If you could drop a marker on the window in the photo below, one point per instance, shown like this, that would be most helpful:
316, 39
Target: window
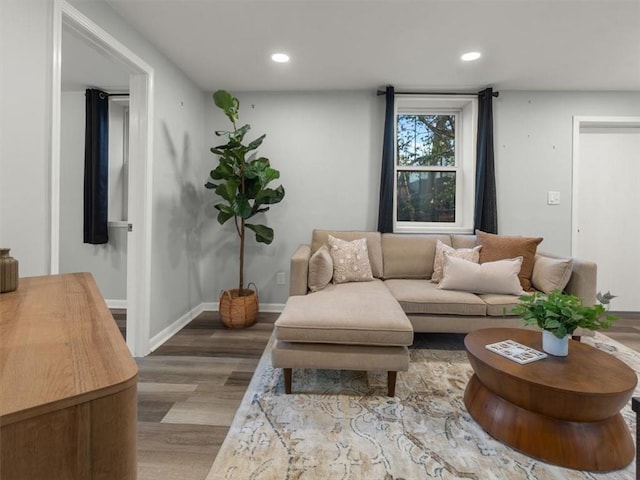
435, 164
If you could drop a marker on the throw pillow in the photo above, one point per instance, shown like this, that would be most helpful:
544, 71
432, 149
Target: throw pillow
499, 277
551, 274
471, 254
350, 260
320, 269
500, 247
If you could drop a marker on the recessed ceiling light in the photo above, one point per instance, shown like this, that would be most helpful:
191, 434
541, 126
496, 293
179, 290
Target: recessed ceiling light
470, 56
280, 57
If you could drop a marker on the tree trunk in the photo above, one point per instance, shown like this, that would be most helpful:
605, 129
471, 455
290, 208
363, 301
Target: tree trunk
241, 283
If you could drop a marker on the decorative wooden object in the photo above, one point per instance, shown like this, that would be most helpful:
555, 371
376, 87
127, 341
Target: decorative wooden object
238, 308
8, 271
67, 384
635, 406
562, 410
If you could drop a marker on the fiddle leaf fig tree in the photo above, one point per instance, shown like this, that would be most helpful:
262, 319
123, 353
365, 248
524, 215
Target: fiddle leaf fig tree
241, 179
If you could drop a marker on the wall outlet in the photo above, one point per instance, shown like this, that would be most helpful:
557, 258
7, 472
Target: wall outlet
281, 278
553, 198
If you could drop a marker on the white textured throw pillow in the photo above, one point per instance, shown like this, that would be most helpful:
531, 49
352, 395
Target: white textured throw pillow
500, 277
471, 254
350, 260
550, 274
320, 269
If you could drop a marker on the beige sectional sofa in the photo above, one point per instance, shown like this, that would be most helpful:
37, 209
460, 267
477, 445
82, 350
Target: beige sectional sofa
368, 325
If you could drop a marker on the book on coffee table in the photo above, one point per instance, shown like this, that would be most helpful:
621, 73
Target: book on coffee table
516, 351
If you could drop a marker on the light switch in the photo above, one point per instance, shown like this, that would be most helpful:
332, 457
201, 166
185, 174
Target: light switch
553, 198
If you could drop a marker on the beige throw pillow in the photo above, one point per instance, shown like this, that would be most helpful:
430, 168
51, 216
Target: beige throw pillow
471, 254
350, 260
320, 269
499, 247
551, 274
500, 277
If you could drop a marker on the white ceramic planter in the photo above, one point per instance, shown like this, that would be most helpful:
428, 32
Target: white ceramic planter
553, 345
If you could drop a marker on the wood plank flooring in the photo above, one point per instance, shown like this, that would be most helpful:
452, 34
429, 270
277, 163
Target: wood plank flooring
190, 388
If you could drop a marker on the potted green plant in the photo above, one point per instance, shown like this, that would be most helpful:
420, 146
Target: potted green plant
559, 314
241, 179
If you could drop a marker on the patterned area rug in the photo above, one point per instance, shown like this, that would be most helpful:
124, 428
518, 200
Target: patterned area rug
341, 425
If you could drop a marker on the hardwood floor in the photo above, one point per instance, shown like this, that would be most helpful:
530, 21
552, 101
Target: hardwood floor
190, 388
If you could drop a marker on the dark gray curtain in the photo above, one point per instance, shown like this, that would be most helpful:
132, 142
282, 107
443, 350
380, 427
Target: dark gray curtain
486, 212
96, 167
385, 205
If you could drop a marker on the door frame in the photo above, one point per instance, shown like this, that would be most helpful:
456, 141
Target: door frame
141, 77
578, 123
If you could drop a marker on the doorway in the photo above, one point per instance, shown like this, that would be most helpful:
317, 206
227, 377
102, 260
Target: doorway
606, 225
140, 80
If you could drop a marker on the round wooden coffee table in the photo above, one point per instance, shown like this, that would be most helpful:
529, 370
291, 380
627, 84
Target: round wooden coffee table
562, 410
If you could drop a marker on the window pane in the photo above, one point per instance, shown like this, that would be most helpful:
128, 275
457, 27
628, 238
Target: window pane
426, 140
426, 197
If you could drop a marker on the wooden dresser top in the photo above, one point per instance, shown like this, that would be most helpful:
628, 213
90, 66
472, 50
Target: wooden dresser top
59, 346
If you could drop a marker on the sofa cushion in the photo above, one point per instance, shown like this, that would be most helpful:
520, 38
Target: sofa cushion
409, 256
464, 241
500, 276
422, 296
374, 245
500, 247
360, 313
499, 305
320, 269
551, 274
471, 254
350, 260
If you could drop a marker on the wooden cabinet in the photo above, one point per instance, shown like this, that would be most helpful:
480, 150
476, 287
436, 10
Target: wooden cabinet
67, 384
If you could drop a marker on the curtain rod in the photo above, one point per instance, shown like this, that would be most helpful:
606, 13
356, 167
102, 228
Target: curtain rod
382, 92
105, 94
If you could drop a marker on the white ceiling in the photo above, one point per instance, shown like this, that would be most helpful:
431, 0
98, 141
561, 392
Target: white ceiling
412, 44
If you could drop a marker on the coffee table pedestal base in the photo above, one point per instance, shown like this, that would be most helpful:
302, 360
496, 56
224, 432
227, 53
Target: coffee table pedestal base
592, 446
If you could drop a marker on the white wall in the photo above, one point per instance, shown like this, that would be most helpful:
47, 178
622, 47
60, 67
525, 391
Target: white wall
533, 147
25, 99
327, 147
177, 156
25, 158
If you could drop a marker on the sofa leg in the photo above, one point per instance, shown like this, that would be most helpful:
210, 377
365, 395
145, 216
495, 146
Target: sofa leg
287, 379
391, 383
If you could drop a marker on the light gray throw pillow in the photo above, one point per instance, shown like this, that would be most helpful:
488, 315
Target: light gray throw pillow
320, 269
499, 277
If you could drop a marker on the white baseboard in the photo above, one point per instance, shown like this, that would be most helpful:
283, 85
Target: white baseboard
157, 340
263, 307
121, 304
176, 326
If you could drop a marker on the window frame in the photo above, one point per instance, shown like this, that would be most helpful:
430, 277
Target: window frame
465, 109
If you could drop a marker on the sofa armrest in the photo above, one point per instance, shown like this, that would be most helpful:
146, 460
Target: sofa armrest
583, 281
299, 270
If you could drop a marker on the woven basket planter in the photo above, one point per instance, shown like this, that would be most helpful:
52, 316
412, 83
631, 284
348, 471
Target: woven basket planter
238, 308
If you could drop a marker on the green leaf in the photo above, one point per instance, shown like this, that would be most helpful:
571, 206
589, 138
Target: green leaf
224, 213
228, 104
256, 143
263, 233
241, 206
223, 171
270, 196
228, 189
